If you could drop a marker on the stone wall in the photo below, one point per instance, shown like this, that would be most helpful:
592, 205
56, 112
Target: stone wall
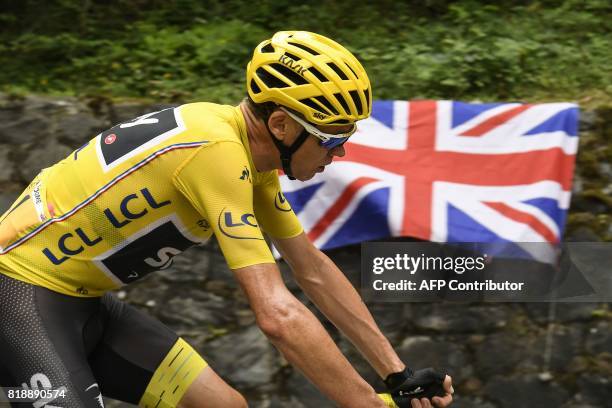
502, 355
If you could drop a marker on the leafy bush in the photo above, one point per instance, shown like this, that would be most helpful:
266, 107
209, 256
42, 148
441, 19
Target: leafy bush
188, 49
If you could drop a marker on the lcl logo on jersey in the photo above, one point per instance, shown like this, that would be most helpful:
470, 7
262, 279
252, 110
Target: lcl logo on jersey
281, 203
238, 226
129, 208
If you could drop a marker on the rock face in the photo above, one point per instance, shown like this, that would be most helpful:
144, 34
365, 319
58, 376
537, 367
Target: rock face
500, 355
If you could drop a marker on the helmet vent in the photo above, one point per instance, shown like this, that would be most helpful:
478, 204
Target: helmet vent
318, 74
305, 48
311, 103
349, 67
254, 87
287, 72
367, 96
267, 48
357, 101
326, 103
340, 122
342, 101
341, 74
270, 80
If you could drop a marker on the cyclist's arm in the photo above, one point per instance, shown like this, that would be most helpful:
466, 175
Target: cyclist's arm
301, 338
211, 180
334, 295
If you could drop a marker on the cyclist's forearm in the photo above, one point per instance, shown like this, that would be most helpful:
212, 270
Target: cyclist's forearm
304, 342
334, 295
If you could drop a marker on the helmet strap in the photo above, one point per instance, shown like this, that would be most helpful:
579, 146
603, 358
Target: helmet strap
287, 151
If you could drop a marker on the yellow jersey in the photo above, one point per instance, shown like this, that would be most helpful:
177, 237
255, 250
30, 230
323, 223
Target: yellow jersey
139, 193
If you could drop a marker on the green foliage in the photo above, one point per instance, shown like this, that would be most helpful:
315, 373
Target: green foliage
189, 49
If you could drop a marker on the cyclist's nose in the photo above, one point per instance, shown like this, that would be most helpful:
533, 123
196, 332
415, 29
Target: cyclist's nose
337, 151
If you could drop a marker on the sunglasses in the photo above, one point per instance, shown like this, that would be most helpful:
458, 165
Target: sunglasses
327, 140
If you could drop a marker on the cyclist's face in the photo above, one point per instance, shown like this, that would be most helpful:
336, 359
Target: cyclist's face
311, 158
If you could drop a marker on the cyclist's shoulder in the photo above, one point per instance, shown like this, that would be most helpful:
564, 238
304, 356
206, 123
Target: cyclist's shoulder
211, 118
220, 125
205, 108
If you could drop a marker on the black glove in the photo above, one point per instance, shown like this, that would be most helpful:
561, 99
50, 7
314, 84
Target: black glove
425, 383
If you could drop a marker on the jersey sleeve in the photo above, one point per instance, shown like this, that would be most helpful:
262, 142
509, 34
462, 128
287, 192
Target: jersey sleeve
216, 181
274, 213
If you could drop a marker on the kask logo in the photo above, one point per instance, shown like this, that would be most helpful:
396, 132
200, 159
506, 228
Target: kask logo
290, 63
238, 226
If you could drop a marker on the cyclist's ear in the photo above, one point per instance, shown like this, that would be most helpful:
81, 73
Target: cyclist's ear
280, 125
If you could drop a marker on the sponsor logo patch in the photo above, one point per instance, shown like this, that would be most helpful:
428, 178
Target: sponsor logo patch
238, 226
246, 174
146, 251
128, 139
110, 139
281, 203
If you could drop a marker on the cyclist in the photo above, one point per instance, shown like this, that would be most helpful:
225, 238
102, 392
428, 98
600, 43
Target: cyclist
126, 202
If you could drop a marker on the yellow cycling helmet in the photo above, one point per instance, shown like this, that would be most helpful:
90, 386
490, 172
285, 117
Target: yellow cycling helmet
312, 75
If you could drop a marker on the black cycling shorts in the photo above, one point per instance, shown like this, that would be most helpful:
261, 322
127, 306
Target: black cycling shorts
88, 347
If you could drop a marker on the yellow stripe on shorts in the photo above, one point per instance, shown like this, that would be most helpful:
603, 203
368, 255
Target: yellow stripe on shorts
173, 376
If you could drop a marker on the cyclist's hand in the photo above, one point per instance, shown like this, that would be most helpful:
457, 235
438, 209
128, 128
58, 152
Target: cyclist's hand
421, 388
447, 399
402, 402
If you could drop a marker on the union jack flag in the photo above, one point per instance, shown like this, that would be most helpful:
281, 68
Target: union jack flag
446, 171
